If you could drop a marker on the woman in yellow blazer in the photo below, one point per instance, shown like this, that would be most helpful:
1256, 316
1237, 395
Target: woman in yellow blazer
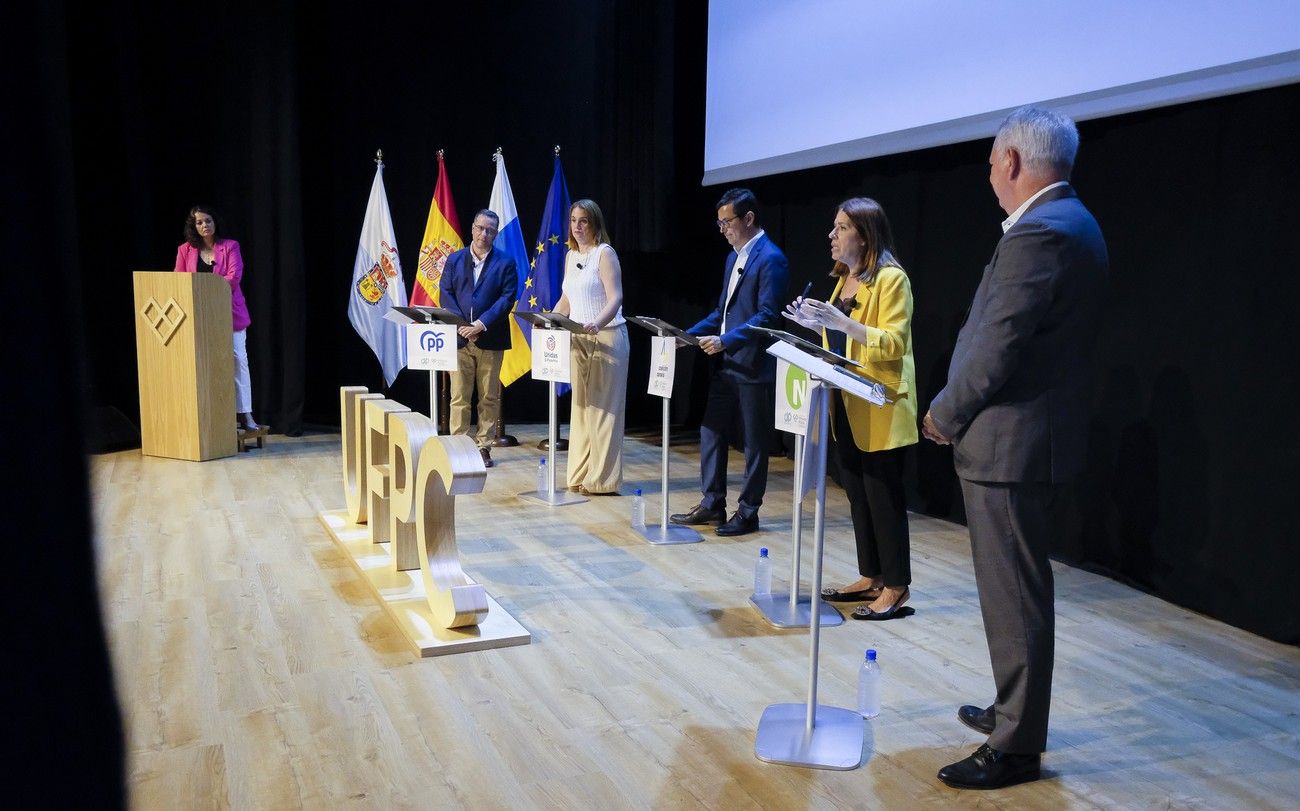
869, 319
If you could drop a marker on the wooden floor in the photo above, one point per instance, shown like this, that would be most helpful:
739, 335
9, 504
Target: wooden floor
254, 670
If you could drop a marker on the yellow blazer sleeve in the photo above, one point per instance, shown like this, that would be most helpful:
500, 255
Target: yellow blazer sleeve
890, 337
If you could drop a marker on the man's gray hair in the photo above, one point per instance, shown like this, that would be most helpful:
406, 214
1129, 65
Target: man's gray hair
1046, 140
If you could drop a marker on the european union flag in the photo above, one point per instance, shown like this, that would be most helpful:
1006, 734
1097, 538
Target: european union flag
539, 289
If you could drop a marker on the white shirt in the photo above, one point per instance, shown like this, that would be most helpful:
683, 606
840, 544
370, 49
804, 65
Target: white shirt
478, 265
1020, 212
742, 256
584, 288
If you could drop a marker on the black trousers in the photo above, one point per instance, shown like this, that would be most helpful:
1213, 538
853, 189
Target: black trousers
752, 405
873, 481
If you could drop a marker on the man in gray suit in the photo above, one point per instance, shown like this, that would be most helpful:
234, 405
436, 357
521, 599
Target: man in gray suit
1015, 410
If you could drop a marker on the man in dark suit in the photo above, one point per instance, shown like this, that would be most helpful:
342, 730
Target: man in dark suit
479, 284
1015, 411
754, 282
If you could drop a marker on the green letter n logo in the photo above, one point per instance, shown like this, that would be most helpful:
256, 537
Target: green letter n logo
796, 387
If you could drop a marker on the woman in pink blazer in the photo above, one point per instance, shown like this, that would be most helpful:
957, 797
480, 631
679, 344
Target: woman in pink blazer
203, 250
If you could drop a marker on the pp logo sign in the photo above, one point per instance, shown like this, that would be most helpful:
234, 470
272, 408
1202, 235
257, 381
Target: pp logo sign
431, 347
431, 341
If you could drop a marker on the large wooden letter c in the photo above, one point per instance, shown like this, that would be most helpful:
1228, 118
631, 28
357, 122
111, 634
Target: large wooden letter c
448, 466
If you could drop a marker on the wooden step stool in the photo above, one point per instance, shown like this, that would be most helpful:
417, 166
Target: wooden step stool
245, 436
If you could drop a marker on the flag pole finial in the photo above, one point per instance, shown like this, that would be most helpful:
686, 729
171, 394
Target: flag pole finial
557, 150
496, 156
379, 158
440, 154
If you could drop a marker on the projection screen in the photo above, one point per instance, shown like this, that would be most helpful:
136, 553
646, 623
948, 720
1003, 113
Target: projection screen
793, 85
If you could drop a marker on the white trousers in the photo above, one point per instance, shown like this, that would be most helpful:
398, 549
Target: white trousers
243, 382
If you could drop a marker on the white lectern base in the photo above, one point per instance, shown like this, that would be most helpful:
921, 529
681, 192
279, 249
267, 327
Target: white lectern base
560, 498
664, 534
401, 594
775, 608
835, 743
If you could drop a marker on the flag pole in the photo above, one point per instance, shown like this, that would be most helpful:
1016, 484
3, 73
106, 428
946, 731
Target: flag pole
561, 444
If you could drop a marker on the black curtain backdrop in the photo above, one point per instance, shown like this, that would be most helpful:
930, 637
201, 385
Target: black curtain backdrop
274, 117
66, 746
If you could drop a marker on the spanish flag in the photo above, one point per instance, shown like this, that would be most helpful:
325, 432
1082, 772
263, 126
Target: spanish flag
441, 239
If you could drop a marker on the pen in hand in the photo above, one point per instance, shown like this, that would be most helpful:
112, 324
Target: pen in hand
806, 290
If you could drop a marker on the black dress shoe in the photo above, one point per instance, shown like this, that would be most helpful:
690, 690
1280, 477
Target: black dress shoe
893, 612
738, 525
977, 719
989, 768
699, 515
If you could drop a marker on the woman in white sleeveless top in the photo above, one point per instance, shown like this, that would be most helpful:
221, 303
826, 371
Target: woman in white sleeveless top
593, 296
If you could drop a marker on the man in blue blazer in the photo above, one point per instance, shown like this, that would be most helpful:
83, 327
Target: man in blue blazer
479, 284
741, 390
1015, 409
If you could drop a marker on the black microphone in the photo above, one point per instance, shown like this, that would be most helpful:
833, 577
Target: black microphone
579, 265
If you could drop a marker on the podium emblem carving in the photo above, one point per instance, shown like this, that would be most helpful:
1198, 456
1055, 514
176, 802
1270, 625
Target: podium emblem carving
163, 319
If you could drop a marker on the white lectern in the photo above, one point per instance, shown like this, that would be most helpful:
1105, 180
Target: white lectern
811, 734
427, 315
551, 497
664, 532
790, 610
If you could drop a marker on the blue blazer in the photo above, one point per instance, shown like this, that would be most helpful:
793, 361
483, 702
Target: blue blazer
760, 295
1016, 401
489, 301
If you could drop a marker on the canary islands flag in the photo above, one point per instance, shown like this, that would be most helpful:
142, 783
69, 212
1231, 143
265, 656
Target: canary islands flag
539, 287
377, 284
441, 239
510, 240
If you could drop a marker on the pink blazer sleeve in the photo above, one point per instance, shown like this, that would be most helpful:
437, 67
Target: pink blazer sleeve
184, 259
232, 270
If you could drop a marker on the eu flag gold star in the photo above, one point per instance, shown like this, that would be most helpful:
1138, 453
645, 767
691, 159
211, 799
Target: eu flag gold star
555, 240
528, 282
532, 302
541, 246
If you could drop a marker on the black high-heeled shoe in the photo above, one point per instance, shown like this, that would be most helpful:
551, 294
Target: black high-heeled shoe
861, 595
894, 611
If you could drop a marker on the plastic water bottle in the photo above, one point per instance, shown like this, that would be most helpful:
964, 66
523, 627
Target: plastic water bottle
763, 574
638, 511
869, 687
543, 481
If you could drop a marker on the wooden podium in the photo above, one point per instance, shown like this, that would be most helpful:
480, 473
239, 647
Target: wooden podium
186, 362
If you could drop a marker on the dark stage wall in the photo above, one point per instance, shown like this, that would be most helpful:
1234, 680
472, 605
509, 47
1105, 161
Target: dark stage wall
274, 117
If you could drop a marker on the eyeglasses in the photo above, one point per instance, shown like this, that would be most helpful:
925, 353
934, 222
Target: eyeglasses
727, 221
484, 228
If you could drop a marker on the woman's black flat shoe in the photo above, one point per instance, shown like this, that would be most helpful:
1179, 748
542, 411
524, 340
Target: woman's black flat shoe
895, 611
837, 596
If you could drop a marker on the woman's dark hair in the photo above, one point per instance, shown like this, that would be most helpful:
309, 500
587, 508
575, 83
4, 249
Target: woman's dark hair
192, 234
873, 227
